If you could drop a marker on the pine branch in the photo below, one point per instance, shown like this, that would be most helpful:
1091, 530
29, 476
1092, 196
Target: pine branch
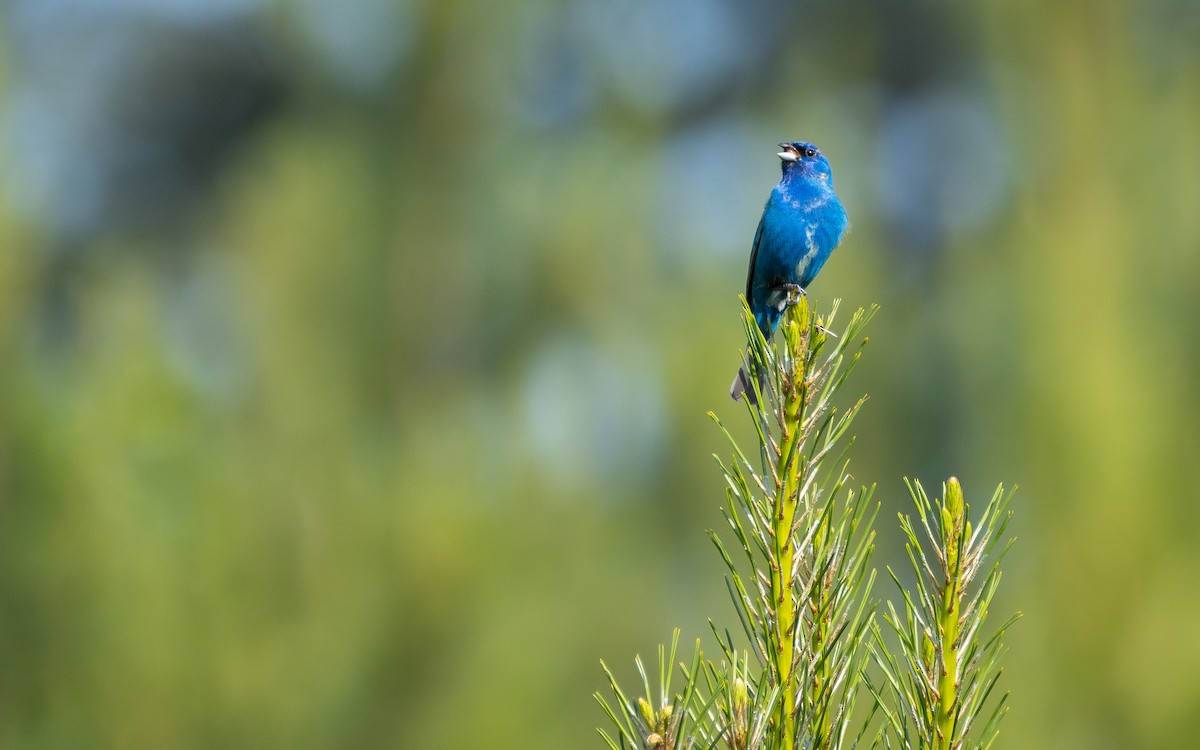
943, 677
804, 536
798, 557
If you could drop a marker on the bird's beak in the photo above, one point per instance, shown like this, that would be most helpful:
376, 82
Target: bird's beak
788, 153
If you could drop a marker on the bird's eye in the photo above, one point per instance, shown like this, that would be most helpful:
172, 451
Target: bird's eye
810, 152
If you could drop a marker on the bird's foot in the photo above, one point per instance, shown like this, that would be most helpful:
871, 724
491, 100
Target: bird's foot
792, 294
786, 295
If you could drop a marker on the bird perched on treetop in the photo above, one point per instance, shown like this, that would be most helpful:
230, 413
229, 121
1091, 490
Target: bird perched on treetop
801, 224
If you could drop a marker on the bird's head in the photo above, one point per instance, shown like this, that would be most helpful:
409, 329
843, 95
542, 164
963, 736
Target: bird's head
803, 158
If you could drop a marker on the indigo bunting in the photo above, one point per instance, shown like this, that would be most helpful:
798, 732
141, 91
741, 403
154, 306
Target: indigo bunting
801, 224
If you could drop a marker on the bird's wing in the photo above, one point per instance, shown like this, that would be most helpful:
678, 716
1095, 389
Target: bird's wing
754, 255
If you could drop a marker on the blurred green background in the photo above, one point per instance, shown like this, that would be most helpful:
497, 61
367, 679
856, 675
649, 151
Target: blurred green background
354, 357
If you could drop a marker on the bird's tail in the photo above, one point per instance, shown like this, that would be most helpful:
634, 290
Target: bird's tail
742, 388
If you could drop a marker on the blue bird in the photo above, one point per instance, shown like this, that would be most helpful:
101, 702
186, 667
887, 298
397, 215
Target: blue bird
801, 225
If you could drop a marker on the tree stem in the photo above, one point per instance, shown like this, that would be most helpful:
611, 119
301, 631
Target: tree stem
795, 332
953, 518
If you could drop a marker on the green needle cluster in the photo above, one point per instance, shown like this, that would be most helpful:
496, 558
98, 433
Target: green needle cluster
797, 551
799, 573
934, 690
